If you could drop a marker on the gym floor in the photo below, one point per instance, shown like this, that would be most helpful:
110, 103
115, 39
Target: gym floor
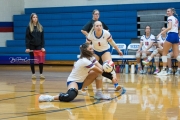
147, 97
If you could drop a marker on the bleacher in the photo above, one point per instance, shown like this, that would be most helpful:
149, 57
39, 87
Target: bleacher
62, 27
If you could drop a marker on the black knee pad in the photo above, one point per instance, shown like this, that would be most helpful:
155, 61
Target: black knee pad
100, 61
69, 96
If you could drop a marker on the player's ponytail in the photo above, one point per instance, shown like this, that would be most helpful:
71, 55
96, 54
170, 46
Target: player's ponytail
174, 12
84, 52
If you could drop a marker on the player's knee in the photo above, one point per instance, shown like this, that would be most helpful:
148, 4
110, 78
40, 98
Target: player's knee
155, 52
156, 59
144, 55
69, 96
169, 56
99, 77
137, 55
178, 58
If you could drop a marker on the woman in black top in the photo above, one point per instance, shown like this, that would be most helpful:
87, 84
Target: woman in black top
35, 41
89, 25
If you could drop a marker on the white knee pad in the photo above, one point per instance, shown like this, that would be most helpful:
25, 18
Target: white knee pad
178, 58
156, 59
169, 55
137, 55
99, 77
144, 55
164, 58
155, 52
113, 72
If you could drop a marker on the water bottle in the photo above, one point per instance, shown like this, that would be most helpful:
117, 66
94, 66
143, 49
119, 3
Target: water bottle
132, 68
126, 68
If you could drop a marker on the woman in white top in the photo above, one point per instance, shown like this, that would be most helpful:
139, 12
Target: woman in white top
85, 71
145, 48
157, 52
172, 39
170, 56
100, 39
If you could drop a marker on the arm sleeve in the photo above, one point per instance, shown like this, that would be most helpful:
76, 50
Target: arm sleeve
169, 19
87, 27
108, 35
141, 39
153, 38
28, 37
88, 64
42, 39
105, 26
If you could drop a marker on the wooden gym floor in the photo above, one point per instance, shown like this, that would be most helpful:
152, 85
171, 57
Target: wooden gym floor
147, 97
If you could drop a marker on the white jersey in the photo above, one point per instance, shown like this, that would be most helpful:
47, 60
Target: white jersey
100, 44
175, 24
81, 69
146, 42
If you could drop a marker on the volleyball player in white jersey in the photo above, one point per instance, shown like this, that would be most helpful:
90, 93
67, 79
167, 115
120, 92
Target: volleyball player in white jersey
100, 39
172, 39
170, 56
85, 71
157, 52
145, 48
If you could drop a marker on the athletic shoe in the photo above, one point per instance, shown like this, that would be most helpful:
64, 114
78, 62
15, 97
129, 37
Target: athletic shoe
42, 76
118, 87
177, 72
46, 98
156, 72
170, 72
145, 70
145, 62
140, 70
33, 76
101, 96
84, 92
163, 72
122, 91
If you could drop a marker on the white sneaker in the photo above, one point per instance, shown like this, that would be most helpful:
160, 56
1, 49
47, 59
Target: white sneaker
177, 72
84, 93
101, 96
163, 72
33, 76
46, 98
42, 76
170, 72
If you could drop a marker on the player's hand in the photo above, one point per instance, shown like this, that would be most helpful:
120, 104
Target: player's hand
121, 53
138, 50
42, 49
158, 36
27, 50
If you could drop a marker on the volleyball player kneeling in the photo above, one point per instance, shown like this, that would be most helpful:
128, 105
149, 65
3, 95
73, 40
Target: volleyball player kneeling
85, 71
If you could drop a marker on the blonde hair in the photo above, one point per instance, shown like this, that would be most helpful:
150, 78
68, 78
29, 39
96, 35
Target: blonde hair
31, 25
95, 11
174, 11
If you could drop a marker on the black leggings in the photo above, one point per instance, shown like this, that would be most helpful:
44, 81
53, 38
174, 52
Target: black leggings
32, 60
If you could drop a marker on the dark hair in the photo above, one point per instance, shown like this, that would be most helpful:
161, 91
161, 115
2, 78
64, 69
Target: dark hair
174, 11
95, 11
145, 28
84, 52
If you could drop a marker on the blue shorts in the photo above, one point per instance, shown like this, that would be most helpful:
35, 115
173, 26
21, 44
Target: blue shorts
172, 37
78, 83
101, 53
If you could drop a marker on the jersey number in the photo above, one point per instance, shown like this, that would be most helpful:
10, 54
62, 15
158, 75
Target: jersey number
147, 43
99, 43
